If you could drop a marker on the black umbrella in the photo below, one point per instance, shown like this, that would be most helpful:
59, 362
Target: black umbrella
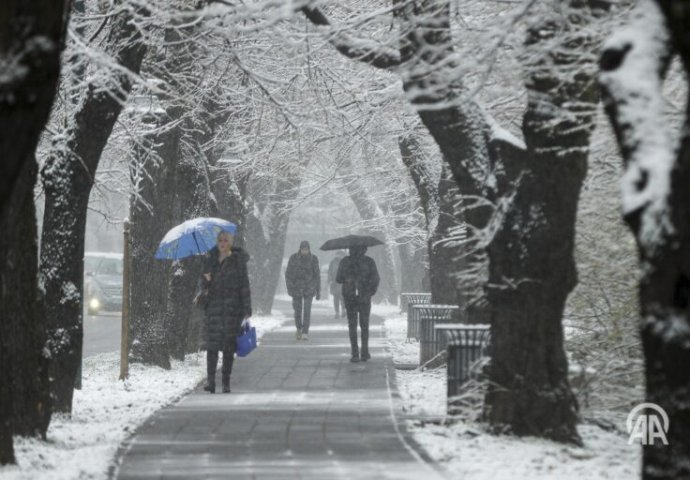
348, 241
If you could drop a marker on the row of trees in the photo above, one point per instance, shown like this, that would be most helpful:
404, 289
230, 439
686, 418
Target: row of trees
178, 103
529, 192
246, 111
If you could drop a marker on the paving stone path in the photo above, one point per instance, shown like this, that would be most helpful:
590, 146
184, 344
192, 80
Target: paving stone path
297, 410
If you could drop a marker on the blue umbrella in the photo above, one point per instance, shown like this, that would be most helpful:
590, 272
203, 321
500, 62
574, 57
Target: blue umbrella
193, 237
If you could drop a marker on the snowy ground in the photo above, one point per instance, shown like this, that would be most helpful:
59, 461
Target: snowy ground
105, 412
465, 449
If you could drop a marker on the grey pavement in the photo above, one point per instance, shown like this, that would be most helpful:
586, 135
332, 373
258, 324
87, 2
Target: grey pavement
297, 410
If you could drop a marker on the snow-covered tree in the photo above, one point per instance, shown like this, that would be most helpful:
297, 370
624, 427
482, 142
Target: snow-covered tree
31, 39
656, 208
519, 198
67, 175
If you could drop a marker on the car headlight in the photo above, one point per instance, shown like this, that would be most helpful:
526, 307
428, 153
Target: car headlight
94, 304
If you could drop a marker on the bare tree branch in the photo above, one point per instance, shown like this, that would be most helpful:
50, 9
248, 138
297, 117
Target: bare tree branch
365, 51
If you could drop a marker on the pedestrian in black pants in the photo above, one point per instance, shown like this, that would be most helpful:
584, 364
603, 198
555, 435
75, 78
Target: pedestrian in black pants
303, 282
360, 279
226, 299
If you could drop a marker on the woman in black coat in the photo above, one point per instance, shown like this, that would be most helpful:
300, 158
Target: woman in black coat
227, 306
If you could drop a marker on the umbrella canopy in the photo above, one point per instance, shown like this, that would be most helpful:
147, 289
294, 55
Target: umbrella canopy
348, 241
193, 237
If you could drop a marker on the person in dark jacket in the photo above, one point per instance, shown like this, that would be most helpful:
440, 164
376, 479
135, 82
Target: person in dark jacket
303, 282
333, 285
227, 306
360, 279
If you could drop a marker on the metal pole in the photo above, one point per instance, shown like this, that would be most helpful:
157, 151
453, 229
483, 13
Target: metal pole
124, 335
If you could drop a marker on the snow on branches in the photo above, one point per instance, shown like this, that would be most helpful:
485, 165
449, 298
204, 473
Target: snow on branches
633, 66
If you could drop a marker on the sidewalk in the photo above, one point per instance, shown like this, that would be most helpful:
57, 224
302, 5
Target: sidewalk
297, 410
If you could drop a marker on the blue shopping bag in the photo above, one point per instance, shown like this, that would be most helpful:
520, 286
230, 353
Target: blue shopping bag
246, 341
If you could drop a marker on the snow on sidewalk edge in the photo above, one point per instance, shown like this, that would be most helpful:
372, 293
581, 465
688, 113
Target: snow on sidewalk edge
466, 450
106, 412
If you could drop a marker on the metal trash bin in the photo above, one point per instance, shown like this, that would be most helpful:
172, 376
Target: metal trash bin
431, 343
466, 346
412, 299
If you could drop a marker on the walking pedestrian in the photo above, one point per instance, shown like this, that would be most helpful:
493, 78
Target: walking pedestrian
333, 286
226, 301
303, 282
360, 279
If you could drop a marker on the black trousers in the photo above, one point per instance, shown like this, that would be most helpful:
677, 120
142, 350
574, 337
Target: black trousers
358, 310
212, 363
302, 306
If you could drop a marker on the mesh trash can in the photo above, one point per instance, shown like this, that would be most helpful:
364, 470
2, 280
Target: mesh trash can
466, 346
412, 299
431, 343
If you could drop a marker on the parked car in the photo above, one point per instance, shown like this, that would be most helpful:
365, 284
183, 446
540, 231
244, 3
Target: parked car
102, 282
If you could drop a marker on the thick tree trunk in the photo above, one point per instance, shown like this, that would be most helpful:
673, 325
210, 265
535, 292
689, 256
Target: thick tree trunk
422, 178
465, 135
462, 133
170, 165
192, 199
532, 273
68, 174
531, 277
181, 289
31, 35
21, 311
151, 213
656, 207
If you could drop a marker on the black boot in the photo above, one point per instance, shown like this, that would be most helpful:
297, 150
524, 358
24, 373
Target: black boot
211, 363
364, 327
228, 357
354, 347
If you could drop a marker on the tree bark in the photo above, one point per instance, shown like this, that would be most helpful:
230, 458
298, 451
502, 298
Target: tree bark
533, 272
68, 175
477, 158
26, 401
656, 208
151, 218
161, 177
462, 132
31, 37
266, 233
192, 199
426, 186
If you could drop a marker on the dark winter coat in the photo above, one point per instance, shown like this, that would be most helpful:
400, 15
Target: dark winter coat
359, 276
302, 276
228, 301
